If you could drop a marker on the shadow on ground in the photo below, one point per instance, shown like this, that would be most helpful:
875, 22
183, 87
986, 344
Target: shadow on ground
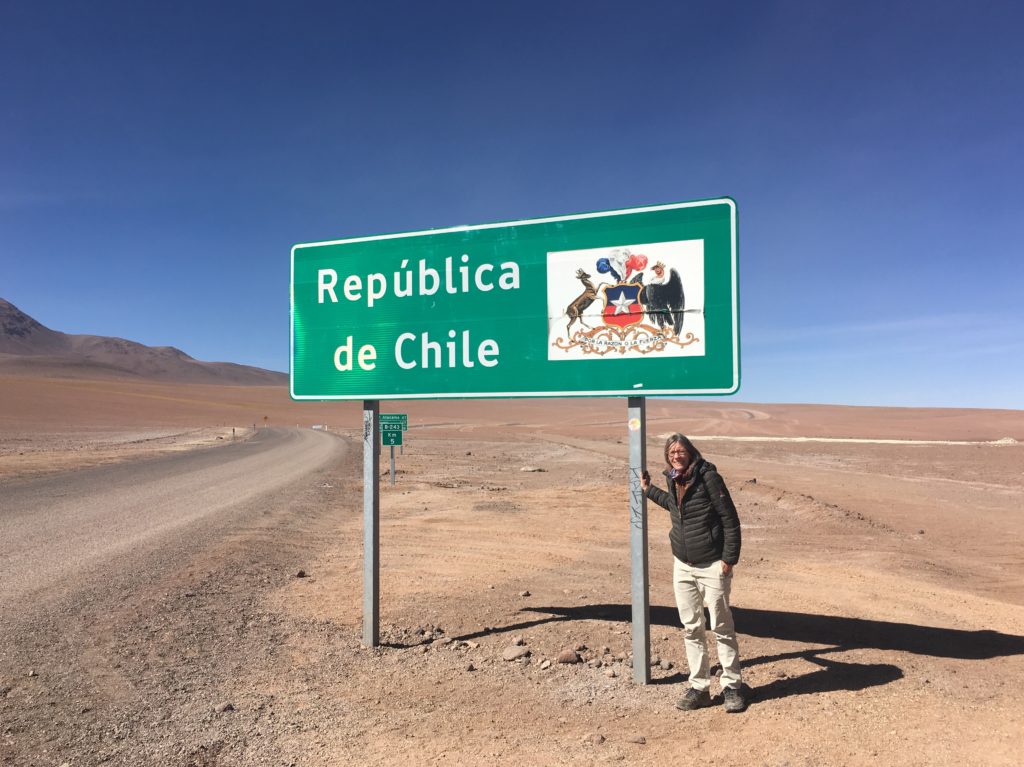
839, 634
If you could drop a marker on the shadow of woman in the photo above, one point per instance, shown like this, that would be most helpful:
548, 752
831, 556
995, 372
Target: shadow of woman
833, 675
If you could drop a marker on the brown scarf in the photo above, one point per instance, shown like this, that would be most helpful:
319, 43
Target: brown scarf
683, 480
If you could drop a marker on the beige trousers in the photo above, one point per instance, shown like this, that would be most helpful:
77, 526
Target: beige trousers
696, 587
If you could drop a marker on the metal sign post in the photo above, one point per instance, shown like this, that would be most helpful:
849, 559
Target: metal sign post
639, 586
371, 524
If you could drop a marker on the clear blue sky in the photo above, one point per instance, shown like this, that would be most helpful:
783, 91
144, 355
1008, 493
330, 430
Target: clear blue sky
158, 161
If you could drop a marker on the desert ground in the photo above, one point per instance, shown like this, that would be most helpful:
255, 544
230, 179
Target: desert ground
879, 598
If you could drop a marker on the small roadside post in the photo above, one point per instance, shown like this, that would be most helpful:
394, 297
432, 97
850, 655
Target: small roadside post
391, 436
392, 429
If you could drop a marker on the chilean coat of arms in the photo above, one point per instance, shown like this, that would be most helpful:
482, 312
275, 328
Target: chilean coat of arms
644, 299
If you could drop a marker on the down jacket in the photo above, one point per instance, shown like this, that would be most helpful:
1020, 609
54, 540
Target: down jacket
705, 526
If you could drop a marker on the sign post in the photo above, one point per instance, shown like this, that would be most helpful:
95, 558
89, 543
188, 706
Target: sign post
391, 437
393, 426
630, 303
639, 586
371, 524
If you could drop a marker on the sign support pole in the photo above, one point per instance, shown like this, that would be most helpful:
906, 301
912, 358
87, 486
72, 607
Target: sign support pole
392, 466
371, 522
639, 586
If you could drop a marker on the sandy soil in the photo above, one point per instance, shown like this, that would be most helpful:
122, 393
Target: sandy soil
25, 454
879, 600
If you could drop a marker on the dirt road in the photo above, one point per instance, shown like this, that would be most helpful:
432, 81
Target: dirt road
87, 558
59, 527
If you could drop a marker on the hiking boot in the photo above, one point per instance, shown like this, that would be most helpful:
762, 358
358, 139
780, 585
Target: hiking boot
735, 700
694, 699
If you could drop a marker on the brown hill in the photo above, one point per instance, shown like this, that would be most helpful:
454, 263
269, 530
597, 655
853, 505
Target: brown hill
28, 347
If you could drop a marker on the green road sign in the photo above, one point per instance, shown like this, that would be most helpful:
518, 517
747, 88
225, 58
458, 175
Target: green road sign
399, 418
392, 427
625, 302
391, 437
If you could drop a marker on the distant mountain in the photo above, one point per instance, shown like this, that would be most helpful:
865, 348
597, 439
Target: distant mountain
28, 347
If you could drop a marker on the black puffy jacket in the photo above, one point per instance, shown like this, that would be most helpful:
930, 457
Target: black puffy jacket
705, 527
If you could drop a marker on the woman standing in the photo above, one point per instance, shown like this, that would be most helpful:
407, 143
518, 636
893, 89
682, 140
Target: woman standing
706, 547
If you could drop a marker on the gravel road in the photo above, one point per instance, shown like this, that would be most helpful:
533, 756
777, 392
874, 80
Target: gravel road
96, 561
54, 528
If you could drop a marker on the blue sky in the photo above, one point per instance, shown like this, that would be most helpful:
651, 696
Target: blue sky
159, 160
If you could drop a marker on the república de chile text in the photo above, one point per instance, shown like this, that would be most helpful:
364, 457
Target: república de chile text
457, 279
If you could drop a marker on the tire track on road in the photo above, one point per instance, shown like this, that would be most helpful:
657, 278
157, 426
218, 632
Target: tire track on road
54, 527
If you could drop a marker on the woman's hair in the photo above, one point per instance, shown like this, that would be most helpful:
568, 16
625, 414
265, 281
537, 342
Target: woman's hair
685, 442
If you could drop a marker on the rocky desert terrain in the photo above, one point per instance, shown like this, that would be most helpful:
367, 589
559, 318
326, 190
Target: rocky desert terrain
879, 599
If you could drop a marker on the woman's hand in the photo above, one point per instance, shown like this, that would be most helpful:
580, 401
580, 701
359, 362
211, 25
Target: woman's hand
645, 480
726, 568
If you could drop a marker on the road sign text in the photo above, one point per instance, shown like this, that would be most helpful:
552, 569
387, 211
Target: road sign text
456, 280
